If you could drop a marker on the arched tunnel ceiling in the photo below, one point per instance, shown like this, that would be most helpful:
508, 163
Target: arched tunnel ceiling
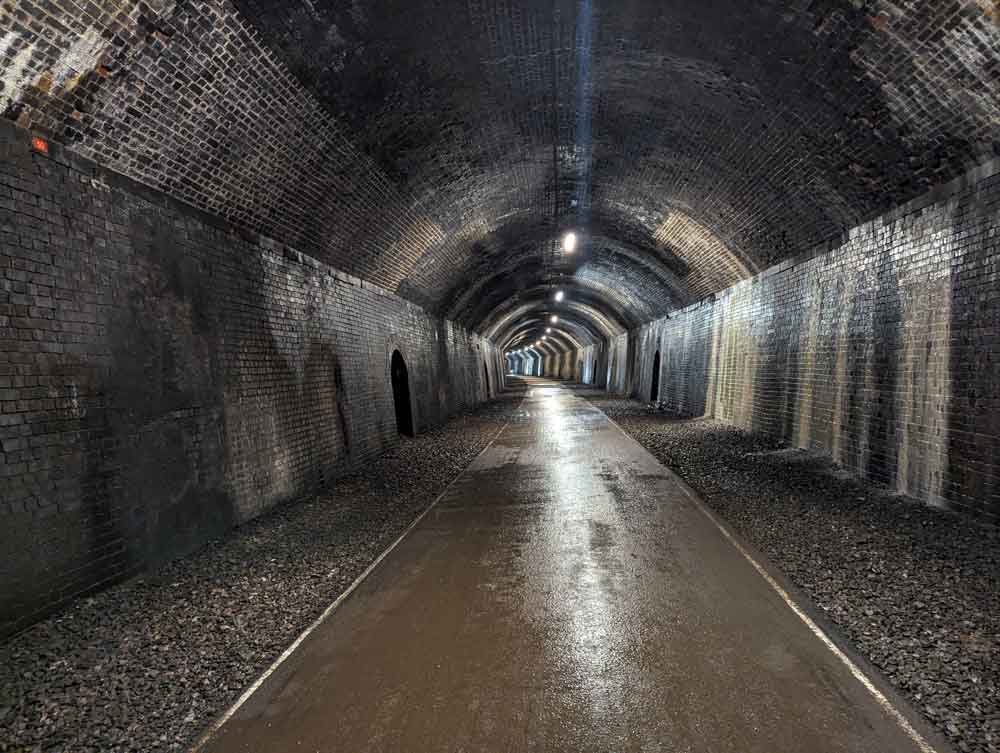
441, 149
584, 307
576, 327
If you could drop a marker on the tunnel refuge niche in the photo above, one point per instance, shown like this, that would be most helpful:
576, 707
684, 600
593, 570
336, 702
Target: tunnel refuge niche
401, 394
486, 380
654, 390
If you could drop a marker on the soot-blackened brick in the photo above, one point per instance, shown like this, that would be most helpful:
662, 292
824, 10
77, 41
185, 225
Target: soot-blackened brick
413, 145
164, 376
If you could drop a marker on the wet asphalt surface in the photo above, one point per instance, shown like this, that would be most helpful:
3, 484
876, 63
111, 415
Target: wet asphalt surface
566, 594
915, 590
146, 665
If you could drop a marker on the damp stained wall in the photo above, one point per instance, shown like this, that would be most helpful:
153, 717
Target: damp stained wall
165, 376
882, 349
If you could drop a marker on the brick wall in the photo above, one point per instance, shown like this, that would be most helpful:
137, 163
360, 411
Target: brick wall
617, 362
561, 365
603, 364
164, 376
883, 350
583, 365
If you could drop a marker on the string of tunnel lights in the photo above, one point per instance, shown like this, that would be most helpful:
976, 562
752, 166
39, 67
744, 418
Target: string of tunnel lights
569, 246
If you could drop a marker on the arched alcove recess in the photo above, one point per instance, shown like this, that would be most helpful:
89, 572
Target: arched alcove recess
654, 391
401, 394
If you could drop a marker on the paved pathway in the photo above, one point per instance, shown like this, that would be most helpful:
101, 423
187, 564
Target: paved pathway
565, 594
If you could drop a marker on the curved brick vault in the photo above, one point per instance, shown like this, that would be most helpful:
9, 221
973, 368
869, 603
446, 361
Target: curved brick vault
441, 149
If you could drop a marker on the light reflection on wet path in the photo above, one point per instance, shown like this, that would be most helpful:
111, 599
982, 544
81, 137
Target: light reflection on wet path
564, 595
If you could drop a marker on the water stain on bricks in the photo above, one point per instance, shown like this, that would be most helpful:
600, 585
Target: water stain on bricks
861, 350
342, 401
216, 376
973, 428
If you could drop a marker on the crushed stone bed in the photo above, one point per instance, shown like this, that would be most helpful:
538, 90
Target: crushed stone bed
148, 664
917, 590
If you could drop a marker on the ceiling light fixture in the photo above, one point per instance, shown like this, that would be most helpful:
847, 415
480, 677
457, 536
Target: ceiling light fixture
569, 242
559, 296
554, 319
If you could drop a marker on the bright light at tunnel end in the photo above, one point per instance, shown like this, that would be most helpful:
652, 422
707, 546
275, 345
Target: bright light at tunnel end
569, 242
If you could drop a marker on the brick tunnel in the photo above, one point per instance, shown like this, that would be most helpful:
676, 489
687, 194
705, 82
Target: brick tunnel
575, 375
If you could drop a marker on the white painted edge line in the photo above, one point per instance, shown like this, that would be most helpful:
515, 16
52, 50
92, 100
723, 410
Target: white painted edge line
855, 670
213, 728
895, 714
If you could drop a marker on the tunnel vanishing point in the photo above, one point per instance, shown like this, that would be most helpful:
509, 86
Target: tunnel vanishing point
255, 252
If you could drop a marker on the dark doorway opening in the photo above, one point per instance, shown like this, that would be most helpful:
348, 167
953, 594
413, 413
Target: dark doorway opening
486, 374
654, 392
401, 394
593, 373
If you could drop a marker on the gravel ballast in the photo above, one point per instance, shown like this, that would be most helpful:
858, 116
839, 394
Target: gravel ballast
146, 665
915, 589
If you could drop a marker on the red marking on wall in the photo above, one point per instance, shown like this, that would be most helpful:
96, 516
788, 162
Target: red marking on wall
40, 145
